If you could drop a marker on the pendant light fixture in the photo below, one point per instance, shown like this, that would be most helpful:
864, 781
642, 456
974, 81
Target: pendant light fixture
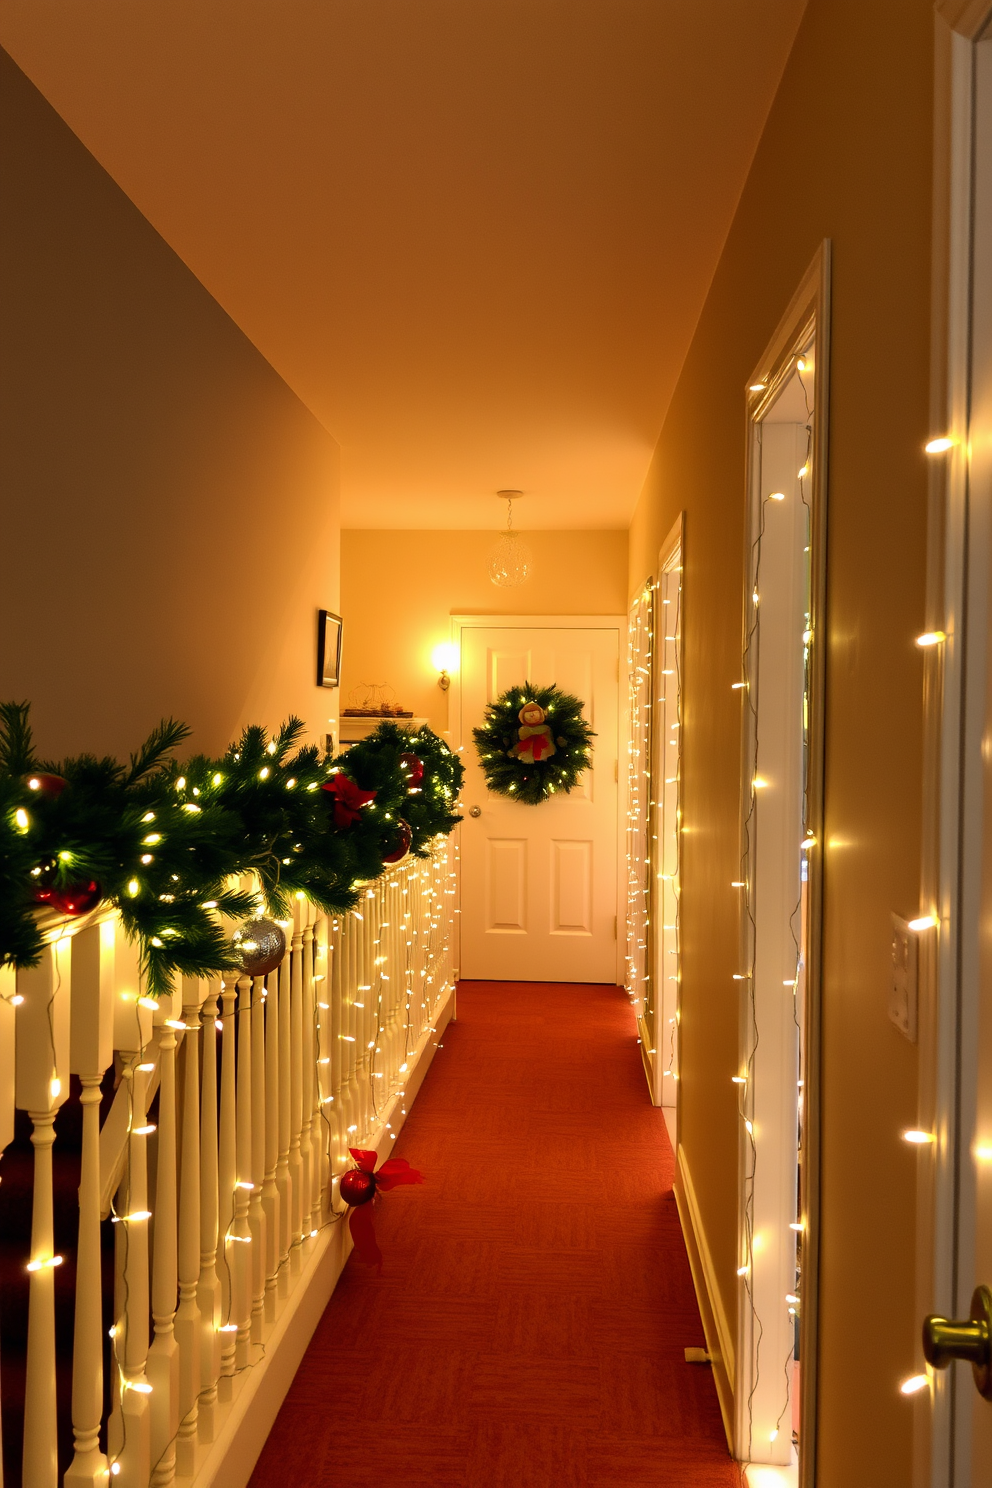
510, 562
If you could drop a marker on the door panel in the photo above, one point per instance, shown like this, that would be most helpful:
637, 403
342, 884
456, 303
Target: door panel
539, 882
506, 884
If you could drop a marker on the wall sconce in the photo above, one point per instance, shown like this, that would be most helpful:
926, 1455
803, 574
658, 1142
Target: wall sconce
444, 659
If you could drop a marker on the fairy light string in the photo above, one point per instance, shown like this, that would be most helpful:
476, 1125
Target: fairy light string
745, 1082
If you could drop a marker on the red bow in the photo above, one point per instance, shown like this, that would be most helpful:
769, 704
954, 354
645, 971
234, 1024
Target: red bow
392, 1173
349, 798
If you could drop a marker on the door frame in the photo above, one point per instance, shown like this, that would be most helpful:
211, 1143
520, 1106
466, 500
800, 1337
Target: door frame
807, 317
462, 623
947, 992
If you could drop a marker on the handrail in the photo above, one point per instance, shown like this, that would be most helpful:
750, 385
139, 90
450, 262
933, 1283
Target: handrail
223, 1195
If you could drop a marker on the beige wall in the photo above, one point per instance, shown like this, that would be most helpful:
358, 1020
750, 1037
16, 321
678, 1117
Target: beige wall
169, 521
400, 589
846, 154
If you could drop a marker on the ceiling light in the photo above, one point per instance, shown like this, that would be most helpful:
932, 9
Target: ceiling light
510, 561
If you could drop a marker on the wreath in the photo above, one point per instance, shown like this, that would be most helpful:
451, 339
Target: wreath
533, 743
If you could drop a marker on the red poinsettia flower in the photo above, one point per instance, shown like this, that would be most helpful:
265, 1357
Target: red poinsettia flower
349, 798
360, 1185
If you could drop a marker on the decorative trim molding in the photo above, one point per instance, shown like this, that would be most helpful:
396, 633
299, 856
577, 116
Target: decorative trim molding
968, 17
716, 1326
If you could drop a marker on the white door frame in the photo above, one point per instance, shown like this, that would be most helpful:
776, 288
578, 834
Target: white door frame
957, 605
461, 623
665, 823
767, 1126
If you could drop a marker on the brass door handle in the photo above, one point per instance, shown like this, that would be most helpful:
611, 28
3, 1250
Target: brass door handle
944, 1340
475, 811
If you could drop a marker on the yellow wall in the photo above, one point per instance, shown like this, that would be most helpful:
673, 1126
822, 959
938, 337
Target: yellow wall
400, 589
846, 154
170, 512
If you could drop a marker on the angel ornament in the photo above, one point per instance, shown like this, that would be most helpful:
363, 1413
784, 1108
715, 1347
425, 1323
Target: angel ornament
534, 738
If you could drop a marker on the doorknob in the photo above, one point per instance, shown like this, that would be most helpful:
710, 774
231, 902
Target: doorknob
475, 811
944, 1340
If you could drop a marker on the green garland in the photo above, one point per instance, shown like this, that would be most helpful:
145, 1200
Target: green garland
163, 840
522, 779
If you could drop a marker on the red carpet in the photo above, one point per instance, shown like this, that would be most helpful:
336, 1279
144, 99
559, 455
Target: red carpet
529, 1325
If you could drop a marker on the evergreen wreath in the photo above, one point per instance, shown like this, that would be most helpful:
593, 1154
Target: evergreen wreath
161, 841
533, 743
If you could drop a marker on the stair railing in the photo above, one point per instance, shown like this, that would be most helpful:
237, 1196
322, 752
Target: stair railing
222, 1196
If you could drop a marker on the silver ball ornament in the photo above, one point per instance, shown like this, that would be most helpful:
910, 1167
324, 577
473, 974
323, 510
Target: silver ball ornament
260, 945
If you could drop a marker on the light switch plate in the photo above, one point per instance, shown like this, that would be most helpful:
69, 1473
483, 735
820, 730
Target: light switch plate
903, 978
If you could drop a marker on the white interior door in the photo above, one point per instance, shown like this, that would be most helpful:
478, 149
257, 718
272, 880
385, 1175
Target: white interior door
539, 883
972, 1415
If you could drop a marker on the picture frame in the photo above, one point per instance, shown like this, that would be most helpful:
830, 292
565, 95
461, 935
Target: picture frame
329, 631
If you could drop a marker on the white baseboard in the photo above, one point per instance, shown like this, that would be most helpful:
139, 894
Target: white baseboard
260, 1391
716, 1328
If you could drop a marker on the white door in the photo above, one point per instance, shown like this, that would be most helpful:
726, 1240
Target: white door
961, 919
539, 883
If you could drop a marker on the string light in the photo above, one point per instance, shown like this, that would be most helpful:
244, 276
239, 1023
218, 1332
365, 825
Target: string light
918, 1138
924, 922
931, 638
940, 445
914, 1384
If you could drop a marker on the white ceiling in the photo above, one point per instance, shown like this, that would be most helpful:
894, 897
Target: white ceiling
473, 235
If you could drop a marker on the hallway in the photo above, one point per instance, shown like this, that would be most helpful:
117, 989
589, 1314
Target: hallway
530, 1323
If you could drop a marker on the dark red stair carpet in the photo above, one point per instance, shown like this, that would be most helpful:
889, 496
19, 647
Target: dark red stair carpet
529, 1325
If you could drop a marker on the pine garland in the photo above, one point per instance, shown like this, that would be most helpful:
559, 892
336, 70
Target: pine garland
163, 840
527, 781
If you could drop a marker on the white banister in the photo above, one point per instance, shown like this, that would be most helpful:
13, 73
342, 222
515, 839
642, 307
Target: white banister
233, 1256
208, 1287
188, 1324
271, 1198
91, 1052
240, 1238
162, 1368
42, 1079
256, 1212
227, 1177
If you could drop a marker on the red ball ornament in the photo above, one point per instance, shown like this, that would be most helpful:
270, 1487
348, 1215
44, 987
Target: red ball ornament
49, 786
69, 899
414, 767
404, 837
357, 1188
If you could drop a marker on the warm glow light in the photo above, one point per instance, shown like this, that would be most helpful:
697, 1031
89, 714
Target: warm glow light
445, 657
776, 496
918, 1138
914, 1384
758, 783
925, 922
940, 445
931, 638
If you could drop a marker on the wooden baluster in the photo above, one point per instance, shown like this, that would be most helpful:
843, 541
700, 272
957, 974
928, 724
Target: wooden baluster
130, 1444
323, 1094
257, 1223
208, 1288
335, 1048
42, 1081
188, 1323
270, 1188
360, 983
296, 1087
226, 1179
307, 1070
283, 1179
240, 1234
162, 1368
91, 1052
